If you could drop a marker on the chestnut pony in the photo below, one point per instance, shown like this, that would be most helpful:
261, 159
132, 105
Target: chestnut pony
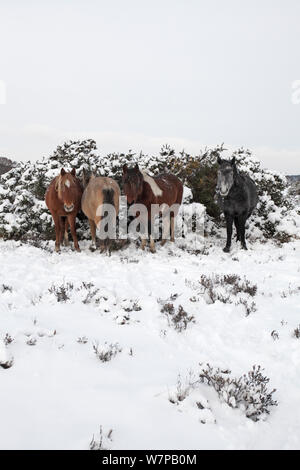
63, 199
165, 190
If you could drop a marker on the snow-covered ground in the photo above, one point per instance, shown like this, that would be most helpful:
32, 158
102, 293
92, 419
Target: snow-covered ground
58, 393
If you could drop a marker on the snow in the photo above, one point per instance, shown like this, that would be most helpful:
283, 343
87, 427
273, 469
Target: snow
187, 196
58, 393
3, 353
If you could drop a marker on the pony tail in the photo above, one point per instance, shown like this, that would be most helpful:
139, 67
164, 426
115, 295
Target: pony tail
108, 198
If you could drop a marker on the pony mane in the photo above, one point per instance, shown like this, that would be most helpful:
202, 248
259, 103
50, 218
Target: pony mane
153, 185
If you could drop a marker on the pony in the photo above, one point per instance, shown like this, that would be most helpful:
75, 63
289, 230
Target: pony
100, 191
63, 199
237, 197
164, 190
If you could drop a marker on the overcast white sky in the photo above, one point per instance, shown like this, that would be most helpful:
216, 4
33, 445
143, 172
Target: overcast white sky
135, 74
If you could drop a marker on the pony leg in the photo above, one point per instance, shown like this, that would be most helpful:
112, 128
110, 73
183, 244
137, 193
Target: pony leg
242, 232
151, 239
166, 229
152, 245
93, 232
64, 231
145, 232
56, 219
229, 222
66, 236
172, 228
103, 241
71, 220
237, 226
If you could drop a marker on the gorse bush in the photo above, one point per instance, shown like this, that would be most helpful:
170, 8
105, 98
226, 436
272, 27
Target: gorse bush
24, 215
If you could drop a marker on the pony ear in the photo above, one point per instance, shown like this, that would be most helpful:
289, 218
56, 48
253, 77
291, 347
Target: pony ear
62, 172
136, 167
125, 168
219, 160
233, 161
73, 172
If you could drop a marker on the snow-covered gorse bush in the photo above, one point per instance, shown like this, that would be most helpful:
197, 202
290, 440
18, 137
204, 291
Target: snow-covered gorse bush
249, 392
24, 215
107, 352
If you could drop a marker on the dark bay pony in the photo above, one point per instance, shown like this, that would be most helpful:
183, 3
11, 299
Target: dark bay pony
165, 190
63, 199
237, 198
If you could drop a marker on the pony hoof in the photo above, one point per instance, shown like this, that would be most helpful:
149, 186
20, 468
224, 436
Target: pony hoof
226, 249
102, 248
163, 242
78, 250
244, 247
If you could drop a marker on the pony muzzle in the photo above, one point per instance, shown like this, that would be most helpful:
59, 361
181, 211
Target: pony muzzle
69, 208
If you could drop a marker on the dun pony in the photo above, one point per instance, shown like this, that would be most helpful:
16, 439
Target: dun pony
165, 190
100, 196
63, 199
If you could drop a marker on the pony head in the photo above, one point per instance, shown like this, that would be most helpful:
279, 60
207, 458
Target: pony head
66, 189
226, 175
132, 182
86, 177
